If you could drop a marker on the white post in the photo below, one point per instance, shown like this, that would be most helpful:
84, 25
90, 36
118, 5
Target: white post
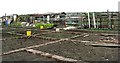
89, 19
58, 16
94, 20
48, 19
43, 18
14, 17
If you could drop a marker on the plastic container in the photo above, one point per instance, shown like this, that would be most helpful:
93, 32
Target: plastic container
28, 33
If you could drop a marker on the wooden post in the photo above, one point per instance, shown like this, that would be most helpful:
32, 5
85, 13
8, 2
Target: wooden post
97, 21
81, 22
109, 20
112, 21
5, 17
56, 57
65, 23
100, 21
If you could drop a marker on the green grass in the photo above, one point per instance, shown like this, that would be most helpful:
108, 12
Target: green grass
16, 24
100, 30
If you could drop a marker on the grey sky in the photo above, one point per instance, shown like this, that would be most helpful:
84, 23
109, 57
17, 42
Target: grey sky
44, 6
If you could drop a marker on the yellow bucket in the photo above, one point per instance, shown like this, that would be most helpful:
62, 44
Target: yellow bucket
41, 27
28, 33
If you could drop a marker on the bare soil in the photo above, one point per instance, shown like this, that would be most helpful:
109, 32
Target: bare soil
80, 51
69, 49
24, 56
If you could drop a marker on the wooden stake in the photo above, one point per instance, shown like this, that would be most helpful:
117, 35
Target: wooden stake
56, 57
104, 44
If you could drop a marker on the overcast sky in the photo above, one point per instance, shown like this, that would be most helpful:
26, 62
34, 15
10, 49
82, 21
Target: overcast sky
45, 6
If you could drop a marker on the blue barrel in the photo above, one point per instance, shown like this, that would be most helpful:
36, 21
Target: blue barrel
6, 22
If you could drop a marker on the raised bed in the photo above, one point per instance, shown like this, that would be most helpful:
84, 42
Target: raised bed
94, 31
13, 44
24, 56
59, 35
80, 51
98, 38
89, 37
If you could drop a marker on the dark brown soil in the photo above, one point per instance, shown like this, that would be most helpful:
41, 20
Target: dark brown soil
75, 50
13, 44
79, 51
97, 37
24, 56
90, 37
59, 35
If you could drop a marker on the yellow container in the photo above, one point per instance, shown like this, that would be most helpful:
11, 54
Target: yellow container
28, 33
41, 27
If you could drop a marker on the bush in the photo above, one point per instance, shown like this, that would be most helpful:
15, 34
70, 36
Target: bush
15, 24
49, 25
38, 25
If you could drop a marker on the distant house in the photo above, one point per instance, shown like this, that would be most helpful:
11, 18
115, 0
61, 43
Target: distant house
73, 18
